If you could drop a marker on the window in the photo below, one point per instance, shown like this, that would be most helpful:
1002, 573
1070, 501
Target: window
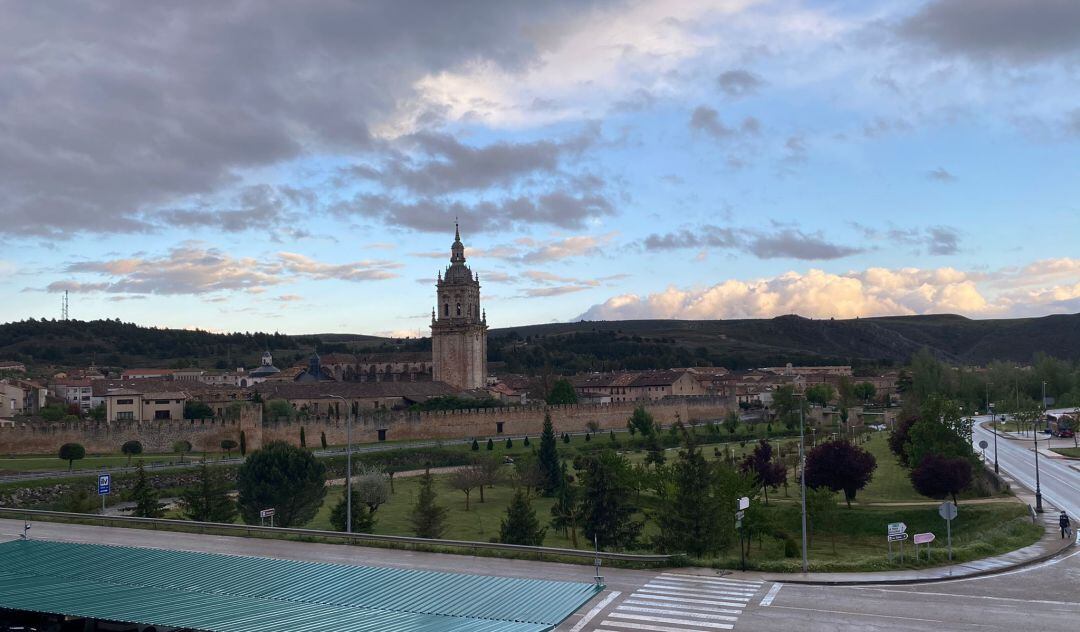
125, 416
498, 427
459, 309
125, 402
162, 414
446, 309
382, 434
161, 401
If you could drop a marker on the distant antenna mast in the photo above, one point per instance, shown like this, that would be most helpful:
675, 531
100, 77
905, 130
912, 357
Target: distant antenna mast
64, 310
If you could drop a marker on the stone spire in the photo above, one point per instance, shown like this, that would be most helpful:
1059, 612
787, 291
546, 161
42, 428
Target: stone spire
457, 249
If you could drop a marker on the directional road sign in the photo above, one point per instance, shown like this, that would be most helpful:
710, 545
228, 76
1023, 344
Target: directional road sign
104, 484
947, 510
897, 537
266, 513
924, 538
744, 503
897, 527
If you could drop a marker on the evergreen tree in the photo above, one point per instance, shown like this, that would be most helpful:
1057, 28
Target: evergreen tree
475, 445
363, 519
690, 514
526, 441
588, 436
145, 496
285, 477
428, 519
607, 502
562, 392
243, 443
509, 442
208, 500
520, 525
549, 458
322, 439
490, 444
131, 448
72, 452
566, 512
303, 438
566, 438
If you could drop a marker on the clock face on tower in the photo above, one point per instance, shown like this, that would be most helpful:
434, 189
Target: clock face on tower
459, 324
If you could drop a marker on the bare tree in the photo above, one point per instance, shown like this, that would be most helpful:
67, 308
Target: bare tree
490, 471
466, 479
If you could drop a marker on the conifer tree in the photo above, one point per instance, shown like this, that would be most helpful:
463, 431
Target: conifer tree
428, 519
689, 518
145, 496
607, 504
509, 442
208, 500
520, 525
475, 445
490, 444
549, 458
303, 438
566, 512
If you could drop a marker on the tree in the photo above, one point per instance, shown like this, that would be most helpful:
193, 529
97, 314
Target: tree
243, 443
767, 472
428, 519
490, 444
840, 466
197, 410
131, 448
562, 392
900, 437
322, 439
520, 525
528, 473
566, 512
509, 443
731, 421
99, 412
372, 486
607, 504
363, 519
72, 452
786, 403
938, 476
941, 429
284, 477
278, 409
53, 412
475, 446
821, 511
549, 458
465, 479
303, 438
490, 471
642, 422
865, 391
588, 436
525, 442
145, 496
820, 394
208, 500
566, 438
181, 447
690, 513
228, 445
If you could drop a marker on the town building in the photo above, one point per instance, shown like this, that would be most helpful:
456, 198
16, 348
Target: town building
459, 324
632, 386
142, 405
12, 366
75, 392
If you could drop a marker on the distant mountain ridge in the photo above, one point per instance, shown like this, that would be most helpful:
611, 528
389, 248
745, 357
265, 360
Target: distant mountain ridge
583, 345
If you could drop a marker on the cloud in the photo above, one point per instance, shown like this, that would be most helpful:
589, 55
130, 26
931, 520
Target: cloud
289, 298
789, 243
707, 120
257, 207
941, 174
192, 269
1024, 31
739, 83
549, 284
936, 240
102, 129
566, 248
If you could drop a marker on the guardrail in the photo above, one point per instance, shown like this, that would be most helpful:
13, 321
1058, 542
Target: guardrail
346, 538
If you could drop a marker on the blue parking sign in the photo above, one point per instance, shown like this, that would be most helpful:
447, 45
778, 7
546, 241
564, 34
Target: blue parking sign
104, 482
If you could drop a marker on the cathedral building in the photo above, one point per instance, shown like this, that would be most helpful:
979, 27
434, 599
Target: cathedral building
459, 324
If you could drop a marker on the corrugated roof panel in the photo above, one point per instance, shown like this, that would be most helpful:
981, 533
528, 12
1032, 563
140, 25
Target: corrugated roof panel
221, 592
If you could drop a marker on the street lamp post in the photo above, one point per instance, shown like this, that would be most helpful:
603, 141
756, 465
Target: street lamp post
993, 426
348, 463
802, 481
1035, 435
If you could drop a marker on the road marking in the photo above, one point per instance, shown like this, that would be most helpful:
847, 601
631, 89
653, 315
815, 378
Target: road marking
696, 615
703, 578
648, 594
648, 619
768, 598
653, 628
681, 606
984, 597
695, 591
595, 611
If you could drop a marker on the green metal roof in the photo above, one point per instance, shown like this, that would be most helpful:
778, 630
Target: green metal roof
224, 593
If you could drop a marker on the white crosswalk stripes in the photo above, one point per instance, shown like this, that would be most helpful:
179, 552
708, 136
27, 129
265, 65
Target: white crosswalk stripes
681, 602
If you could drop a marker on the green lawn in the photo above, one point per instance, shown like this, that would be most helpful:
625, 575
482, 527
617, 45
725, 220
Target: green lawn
1069, 452
91, 462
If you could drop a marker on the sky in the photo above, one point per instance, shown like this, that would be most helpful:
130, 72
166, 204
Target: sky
298, 167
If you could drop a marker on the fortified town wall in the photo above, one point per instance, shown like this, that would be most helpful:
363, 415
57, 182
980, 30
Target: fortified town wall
158, 436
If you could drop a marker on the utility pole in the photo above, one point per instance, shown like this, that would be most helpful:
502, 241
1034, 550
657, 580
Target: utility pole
802, 481
348, 463
993, 426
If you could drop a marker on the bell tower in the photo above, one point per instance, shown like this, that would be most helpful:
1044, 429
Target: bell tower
459, 324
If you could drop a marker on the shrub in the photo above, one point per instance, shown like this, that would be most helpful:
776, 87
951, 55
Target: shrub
72, 452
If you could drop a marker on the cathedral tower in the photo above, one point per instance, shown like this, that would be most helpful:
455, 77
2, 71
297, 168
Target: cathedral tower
459, 325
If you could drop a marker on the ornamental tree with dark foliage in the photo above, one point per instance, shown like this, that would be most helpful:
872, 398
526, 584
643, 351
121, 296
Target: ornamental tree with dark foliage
840, 466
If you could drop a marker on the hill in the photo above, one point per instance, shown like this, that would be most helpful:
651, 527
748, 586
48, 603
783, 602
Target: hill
577, 346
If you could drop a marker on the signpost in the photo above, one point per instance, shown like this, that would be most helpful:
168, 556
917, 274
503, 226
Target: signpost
923, 538
266, 513
743, 505
947, 510
104, 486
897, 533
983, 444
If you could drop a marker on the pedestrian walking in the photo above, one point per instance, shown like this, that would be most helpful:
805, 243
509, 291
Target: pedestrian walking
1066, 526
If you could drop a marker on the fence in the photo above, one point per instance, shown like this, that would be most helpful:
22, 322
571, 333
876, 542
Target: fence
167, 524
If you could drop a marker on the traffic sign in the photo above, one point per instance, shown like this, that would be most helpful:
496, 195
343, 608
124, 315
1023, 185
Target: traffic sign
266, 513
897, 527
104, 484
983, 444
739, 515
947, 510
897, 537
924, 538
744, 503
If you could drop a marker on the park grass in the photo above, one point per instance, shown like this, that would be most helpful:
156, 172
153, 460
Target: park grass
1072, 453
13, 465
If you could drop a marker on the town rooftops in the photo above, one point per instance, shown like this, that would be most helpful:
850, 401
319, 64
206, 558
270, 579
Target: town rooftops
147, 372
411, 391
626, 379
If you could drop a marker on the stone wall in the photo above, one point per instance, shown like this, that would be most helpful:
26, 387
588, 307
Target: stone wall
44, 438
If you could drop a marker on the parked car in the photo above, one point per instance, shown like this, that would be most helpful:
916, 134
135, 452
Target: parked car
1066, 433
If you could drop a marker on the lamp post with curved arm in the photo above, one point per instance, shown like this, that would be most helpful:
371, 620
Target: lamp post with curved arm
348, 463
